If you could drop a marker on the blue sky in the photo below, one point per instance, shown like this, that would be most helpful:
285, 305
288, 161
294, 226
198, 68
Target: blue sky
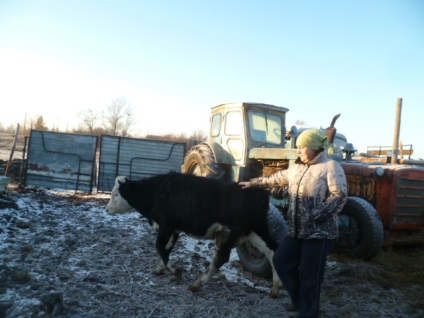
174, 60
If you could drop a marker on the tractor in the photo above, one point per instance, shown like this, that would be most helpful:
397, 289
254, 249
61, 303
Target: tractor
248, 140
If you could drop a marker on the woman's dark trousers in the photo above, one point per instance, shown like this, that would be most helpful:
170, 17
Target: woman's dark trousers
300, 264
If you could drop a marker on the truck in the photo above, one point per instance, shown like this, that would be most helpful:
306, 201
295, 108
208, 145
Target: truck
248, 140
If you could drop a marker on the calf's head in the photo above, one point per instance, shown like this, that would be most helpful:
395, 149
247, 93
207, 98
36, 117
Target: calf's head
117, 204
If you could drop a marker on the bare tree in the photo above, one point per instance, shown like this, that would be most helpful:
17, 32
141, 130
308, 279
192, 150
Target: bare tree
129, 121
198, 135
90, 119
39, 123
118, 117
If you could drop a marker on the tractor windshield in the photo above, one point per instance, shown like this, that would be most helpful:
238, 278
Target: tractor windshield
265, 127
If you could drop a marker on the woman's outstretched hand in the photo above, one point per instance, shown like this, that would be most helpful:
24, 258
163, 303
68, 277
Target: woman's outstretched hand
244, 184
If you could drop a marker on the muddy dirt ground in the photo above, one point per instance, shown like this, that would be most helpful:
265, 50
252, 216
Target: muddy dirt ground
62, 254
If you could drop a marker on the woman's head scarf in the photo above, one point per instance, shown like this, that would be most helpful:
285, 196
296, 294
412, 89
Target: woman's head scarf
313, 139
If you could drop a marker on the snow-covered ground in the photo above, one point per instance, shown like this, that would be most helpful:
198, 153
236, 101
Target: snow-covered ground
56, 242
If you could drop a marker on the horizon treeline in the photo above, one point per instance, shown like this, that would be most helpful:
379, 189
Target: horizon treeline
117, 120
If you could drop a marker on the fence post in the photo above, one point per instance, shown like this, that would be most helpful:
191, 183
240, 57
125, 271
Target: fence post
12, 152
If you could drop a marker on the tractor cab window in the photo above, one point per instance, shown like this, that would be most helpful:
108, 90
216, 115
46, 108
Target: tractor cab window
265, 127
233, 123
216, 125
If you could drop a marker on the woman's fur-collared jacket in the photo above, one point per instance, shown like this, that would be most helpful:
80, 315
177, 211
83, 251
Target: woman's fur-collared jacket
317, 194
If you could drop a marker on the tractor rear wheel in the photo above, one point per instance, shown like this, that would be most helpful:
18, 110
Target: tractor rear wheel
200, 161
361, 230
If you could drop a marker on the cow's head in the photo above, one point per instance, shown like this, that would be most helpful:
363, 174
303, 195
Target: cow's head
117, 204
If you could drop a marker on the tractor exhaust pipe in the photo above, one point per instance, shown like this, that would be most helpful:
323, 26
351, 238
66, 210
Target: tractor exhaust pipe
330, 132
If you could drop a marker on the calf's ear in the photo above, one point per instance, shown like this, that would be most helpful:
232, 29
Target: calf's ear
121, 180
125, 187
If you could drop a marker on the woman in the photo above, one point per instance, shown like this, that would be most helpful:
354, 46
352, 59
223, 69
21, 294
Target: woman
317, 190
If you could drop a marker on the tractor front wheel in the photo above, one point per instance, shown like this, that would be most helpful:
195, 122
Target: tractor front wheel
361, 230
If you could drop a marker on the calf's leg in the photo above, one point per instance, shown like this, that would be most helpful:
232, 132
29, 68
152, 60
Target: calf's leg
224, 243
264, 247
164, 245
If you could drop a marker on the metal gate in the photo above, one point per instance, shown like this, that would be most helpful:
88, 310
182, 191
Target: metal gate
136, 158
61, 160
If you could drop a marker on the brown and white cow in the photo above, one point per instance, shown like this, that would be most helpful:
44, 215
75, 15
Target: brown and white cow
202, 208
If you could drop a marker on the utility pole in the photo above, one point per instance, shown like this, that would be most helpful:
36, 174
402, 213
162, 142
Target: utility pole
395, 148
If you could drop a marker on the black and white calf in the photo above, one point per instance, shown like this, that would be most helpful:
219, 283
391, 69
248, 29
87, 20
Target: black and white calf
200, 207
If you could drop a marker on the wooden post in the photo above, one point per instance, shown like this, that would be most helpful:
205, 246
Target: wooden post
395, 148
12, 152
401, 150
21, 173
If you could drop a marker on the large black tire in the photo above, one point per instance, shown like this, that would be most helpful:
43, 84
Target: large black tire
361, 230
200, 161
250, 258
